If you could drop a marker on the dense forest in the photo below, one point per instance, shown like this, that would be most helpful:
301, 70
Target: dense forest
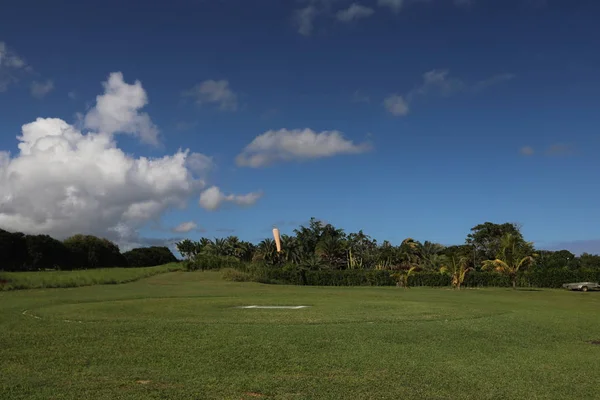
498, 248
22, 252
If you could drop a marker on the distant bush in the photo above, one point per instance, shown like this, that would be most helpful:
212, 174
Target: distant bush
234, 275
203, 262
149, 256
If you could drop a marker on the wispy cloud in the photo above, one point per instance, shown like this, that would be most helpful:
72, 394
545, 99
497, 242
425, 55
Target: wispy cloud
526, 151
354, 12
555, 150
185, 227
296, 144
185, 126
41, 89
11, 67
214, 92
213, 198
560, 150
491, 81
439, 82
304, 19
359, 97
396, 105
394, 5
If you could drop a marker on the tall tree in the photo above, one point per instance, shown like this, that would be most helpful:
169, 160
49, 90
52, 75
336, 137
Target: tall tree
486, 239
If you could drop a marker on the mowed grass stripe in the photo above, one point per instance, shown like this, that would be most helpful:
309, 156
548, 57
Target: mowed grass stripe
181, 337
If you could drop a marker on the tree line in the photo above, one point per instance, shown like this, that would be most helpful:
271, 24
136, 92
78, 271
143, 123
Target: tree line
323, 247
22, 252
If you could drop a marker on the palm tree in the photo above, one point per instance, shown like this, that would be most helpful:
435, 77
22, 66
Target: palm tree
431, 257
267, 252
290, 249
220, 247
458, 269
186, 248
409, 252
515, 254
332, 250
246, 251
311, 263
401, 276
204, 245
435, 262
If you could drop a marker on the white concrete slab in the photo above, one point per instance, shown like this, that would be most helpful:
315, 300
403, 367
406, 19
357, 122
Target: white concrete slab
285, 307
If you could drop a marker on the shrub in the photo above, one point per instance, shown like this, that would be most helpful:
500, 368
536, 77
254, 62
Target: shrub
205, 262
149, 256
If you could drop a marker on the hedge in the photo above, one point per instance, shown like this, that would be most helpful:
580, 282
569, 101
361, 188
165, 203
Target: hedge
291, 276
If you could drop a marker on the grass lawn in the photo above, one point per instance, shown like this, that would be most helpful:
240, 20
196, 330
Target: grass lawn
179, 335
86, 277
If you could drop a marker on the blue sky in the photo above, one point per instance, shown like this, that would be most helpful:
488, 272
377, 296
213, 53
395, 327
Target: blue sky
447, 113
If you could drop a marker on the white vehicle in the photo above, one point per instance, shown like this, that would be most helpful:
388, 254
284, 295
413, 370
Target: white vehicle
583, 286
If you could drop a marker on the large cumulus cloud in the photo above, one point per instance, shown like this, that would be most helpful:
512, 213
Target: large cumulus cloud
65, 181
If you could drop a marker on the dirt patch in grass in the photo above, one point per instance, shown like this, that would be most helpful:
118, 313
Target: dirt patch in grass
596, 342
254, 394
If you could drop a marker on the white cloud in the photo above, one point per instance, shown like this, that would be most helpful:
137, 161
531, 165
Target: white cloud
63, 181
117, 110
297, 144
41, 89
396, 105
212, 199
11, 64
394, 5
185, 227
304, 19
353, 12
217, 92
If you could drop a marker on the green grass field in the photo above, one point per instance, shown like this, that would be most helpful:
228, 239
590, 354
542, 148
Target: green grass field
88, 277
179, 335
